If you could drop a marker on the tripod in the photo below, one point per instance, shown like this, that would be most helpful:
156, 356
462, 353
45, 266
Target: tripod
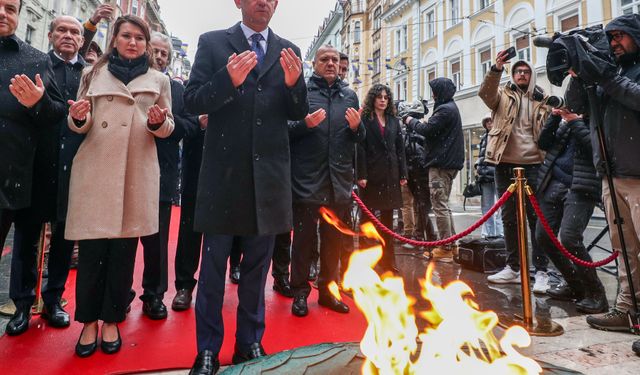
596, 117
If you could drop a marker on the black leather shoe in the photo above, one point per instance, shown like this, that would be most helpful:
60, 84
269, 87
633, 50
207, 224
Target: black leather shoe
299, 307
56, 316
333, 303
563, 292
255, 351
234, 274
111, 347
19, 322
313, 272
88, 349
206, 363
281, 286
154, 308
182, 300
594, 304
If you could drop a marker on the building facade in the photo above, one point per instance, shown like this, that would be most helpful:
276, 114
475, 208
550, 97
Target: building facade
406, 43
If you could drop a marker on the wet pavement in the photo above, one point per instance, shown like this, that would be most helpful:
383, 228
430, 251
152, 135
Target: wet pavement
580, 348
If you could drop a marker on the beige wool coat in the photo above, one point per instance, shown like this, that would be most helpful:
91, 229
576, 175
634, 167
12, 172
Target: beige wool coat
115, 176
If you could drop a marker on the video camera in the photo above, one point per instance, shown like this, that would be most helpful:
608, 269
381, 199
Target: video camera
416, 109
585, 51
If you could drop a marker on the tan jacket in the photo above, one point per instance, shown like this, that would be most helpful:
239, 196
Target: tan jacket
115, 177
504, 103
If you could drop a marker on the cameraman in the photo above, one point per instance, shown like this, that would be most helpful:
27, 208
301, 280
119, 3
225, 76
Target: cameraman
519, 109
416, 192
619, 92
444, 145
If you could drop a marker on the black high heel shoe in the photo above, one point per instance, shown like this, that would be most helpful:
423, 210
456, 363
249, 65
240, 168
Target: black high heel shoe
88, 349
113, 346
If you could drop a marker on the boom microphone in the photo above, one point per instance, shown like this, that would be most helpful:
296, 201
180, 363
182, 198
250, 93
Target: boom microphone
543, 41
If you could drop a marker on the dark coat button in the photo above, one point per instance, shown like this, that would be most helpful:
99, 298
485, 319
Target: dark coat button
110, 98
259, 122
104, 124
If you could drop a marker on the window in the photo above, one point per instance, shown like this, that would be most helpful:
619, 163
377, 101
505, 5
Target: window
431, 75
401, 89
348, 33
401, 39
523, 47
376, 62
484, 57
454, 11
455, 73
377, 19
356, 32
429, 24
630, 6
28, 38
483, 4
569, 23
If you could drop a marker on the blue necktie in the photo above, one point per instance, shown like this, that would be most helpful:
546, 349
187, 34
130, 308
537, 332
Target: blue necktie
257, 47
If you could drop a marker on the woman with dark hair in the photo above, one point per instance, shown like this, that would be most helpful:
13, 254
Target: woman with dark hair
114, 191
381, 163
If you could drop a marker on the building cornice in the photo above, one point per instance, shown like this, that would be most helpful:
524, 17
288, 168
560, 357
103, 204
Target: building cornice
396, 10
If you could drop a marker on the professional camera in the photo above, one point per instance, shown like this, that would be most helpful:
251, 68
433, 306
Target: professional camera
415, 109
585, 51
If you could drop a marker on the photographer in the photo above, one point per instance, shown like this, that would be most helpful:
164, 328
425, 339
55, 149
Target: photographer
519, 109
444, 145
416, 193
568, 190
619, 95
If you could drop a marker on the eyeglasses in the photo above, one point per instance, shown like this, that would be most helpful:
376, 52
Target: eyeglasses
617, 36
382, 97
522, 72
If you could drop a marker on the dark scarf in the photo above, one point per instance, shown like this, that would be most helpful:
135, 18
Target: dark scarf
127, 70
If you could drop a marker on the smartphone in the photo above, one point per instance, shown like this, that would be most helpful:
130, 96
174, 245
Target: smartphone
511, 53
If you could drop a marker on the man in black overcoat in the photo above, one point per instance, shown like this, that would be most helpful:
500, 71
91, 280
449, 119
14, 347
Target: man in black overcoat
155, 275
322, 154
29, 102
249, 82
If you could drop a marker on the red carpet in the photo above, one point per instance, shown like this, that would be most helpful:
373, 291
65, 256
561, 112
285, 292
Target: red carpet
169, 344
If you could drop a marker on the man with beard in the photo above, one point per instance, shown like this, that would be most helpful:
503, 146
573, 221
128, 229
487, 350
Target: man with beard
520, 110
620, 102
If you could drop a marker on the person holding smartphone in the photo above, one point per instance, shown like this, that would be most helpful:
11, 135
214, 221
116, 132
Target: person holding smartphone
520, 110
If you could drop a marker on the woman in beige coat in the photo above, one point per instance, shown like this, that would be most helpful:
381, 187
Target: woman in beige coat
114, 190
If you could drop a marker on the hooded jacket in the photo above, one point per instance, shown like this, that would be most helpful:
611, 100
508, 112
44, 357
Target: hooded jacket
554, 138
444, 140
505, 102
322, 157
621, 107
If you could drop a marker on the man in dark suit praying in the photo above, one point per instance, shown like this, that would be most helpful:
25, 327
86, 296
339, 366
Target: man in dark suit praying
249, 82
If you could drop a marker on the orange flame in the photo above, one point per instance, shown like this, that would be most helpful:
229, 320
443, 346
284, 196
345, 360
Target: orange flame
459, 337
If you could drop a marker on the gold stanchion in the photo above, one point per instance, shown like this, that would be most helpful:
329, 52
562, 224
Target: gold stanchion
540, 326
42, 247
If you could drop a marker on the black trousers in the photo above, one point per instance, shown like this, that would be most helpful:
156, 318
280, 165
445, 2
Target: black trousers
307, 221
569, 213
503, 178
388, 261
189, 246
24, 268
281, 258
235, 256
156, 248
104, 279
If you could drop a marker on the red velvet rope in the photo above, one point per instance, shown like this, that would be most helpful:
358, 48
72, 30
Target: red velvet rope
563, 250
507, 194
